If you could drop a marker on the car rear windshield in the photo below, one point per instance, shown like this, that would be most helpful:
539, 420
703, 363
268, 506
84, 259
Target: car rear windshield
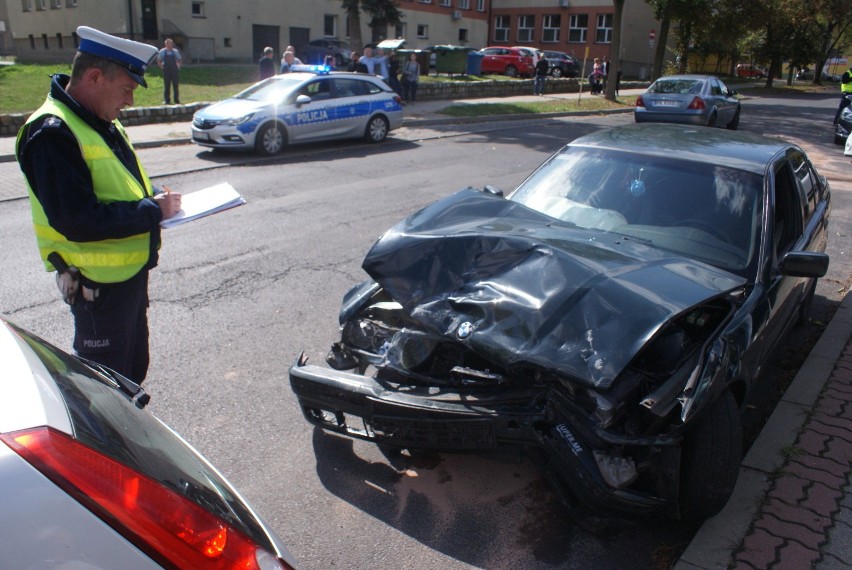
676, 86
702, 211
104, 419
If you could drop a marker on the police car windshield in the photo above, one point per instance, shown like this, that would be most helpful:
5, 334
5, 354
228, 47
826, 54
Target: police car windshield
271, 90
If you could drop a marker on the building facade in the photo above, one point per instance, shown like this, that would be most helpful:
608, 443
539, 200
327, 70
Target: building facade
232, 31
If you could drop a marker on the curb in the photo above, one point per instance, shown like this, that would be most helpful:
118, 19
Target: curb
713, 547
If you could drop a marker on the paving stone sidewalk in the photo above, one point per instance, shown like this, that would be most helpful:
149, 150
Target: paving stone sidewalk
804, 521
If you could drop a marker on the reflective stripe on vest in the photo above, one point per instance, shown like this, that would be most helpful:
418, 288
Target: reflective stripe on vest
104, 261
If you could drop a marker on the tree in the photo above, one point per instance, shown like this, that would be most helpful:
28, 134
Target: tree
382, 13
615, 64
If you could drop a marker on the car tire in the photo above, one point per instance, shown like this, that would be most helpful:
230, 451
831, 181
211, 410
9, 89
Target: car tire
711, 121
377, 129
511, 71
557, 72
838, 139
735, 122
712, 452
270, 139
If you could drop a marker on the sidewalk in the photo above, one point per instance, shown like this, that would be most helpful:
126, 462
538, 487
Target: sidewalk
792, 506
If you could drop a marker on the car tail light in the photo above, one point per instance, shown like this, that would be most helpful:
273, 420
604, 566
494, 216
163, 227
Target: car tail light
696, 104
639, 101
171, 529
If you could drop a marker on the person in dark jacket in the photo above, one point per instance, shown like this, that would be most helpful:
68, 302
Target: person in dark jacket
541, 70
266, 64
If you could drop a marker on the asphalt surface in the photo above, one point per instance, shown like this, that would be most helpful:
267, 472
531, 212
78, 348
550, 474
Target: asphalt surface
792, 506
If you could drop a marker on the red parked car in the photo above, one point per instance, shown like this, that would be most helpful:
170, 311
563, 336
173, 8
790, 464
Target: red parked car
507, 61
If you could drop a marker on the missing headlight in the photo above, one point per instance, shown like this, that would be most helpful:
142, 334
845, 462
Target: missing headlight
617, 471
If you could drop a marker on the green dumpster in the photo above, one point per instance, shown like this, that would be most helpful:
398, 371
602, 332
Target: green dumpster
451, 59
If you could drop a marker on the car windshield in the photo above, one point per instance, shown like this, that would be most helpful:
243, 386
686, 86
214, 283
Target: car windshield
676, 86
270, 90
703, 211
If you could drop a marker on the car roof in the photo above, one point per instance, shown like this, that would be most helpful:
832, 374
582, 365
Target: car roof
744, 151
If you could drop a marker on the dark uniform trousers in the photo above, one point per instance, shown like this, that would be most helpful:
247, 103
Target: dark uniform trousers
112, 330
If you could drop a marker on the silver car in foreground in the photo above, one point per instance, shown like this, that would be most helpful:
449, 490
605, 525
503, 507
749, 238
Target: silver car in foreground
92, 480
690, 99
304, 106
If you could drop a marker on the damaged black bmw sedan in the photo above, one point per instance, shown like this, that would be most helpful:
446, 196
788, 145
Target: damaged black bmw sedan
607, 317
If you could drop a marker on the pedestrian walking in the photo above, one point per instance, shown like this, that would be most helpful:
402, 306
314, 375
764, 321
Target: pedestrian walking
95, 212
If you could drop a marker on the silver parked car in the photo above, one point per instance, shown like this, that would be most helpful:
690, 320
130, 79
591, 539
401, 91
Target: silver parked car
308, 105
91, 479
691, 99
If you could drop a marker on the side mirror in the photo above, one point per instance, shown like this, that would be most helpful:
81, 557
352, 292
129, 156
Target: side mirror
804, 264
302, 100
493, 190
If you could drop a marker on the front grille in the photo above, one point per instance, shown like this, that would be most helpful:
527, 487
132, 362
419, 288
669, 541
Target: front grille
203, 124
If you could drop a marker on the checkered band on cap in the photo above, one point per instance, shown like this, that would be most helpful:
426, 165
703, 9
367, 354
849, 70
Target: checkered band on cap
133, 56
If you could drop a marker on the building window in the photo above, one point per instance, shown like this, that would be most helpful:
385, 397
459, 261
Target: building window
422, 31
27, 5
550, 28
227, 42
71, 3
32, 41
59, 41
41, 4
56, 4
577, 26
464, 4
445, 2
603, 33
44, 41
401, 30
463, 35
329, 25
526, 26
425, 1
501, 29
480, 5
198, 10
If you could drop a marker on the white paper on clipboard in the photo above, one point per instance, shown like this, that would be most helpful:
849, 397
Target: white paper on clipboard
205, 202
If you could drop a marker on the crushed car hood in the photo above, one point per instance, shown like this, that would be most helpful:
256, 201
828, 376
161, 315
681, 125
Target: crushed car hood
521, 288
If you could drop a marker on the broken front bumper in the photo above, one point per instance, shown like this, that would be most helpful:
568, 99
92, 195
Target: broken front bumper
572, 450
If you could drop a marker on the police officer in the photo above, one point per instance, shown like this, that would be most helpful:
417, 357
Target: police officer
96, 214
845, 93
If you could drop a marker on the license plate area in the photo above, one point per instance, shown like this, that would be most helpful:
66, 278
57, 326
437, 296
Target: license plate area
665, 103
434, 434
200, 136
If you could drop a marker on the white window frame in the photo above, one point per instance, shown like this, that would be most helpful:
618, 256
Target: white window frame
56, 4
463, 4
27, 5
603, 32
526, 29
501, 32
480, 5
334, 25
422, 31
41, 4
71, 4
201, 12
445, 2
549, 31
575, 27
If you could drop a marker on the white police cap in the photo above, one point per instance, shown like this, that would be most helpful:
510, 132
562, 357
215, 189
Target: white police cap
133, 57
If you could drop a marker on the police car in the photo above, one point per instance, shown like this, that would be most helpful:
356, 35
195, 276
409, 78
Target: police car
308, 104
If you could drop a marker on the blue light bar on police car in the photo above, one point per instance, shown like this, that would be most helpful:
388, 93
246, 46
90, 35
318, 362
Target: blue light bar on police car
320, 69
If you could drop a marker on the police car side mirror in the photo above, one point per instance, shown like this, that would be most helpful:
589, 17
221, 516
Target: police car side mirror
302, 100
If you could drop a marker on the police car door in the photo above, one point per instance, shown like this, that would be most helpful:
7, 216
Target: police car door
354, 104
316, 119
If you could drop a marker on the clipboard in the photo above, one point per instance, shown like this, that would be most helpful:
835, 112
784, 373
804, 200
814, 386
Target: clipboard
205, 202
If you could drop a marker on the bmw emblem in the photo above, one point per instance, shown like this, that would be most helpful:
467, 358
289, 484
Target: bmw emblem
465, 329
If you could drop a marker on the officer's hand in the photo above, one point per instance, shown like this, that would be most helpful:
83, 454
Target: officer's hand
169, 203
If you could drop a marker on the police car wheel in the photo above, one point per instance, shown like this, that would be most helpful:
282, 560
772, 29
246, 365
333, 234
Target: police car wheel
377, 129
270, 139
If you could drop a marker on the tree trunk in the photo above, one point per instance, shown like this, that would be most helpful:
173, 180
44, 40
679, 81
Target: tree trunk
662, 40
615, 57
